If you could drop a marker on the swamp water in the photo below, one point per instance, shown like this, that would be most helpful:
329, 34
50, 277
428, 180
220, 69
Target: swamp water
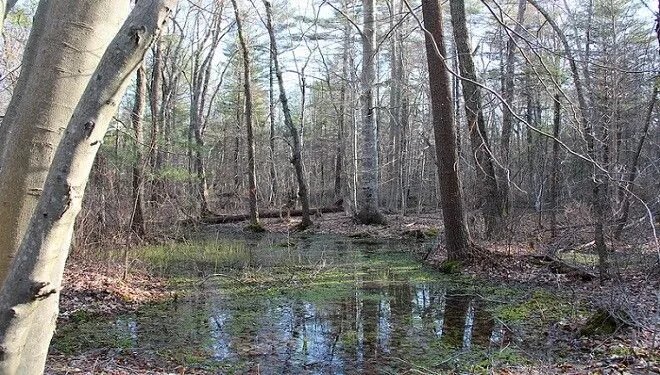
320, 304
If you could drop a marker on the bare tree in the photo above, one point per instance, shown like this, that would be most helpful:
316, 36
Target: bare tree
247, 77
508, 91
634, 167
555, 181
599, 179
296, 159
481, 150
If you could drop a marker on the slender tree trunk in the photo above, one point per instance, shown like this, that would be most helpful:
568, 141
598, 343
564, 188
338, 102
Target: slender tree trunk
368, 198
247, 84
508, 94
490, 196
156, 100
296, 141
64, 49
457, 237
137, 214
633, 168
599, 188
271, 109
30, 294
341, 172
555, 181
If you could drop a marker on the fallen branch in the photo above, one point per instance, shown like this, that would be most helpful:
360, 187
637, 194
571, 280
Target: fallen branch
559, 266
225, 219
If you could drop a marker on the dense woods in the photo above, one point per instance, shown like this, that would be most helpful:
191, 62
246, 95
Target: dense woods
524, 128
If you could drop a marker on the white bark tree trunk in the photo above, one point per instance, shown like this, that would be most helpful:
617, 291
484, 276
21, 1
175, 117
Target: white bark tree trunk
64, 49
32, 287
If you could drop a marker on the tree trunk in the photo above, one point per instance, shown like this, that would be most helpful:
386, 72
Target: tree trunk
64, 49
599, 190
30, 294
633, 168
137, 214
341, 172
271, 110
296, 158
368, 199
508, 92
490, 196
156, 95
200, 102
30, 54
457, 237
247, 84
555, 181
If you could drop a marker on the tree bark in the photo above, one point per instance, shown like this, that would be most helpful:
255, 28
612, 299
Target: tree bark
157, 116
555, 181
30, 294
271, 110
369, 212
508, 94
137, 214
296, 159
247, 76
5, 7
457, 237
64, 49
490, 196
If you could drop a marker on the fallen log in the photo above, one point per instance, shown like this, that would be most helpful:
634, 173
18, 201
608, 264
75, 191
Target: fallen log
559, 266
225, 219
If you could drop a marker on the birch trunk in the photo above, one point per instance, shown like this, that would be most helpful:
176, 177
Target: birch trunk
368, 198
30, 294
63, 51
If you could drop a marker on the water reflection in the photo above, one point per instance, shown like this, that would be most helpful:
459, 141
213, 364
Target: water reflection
370, 325
371, 330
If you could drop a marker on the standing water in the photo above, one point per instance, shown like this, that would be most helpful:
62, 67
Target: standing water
321, 304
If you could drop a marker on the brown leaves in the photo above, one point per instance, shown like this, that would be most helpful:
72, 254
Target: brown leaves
101, 290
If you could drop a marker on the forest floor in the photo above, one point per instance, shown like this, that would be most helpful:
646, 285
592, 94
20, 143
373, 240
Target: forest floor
625, 341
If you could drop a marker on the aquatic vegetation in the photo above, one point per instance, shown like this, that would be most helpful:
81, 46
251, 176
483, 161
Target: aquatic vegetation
324, 303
